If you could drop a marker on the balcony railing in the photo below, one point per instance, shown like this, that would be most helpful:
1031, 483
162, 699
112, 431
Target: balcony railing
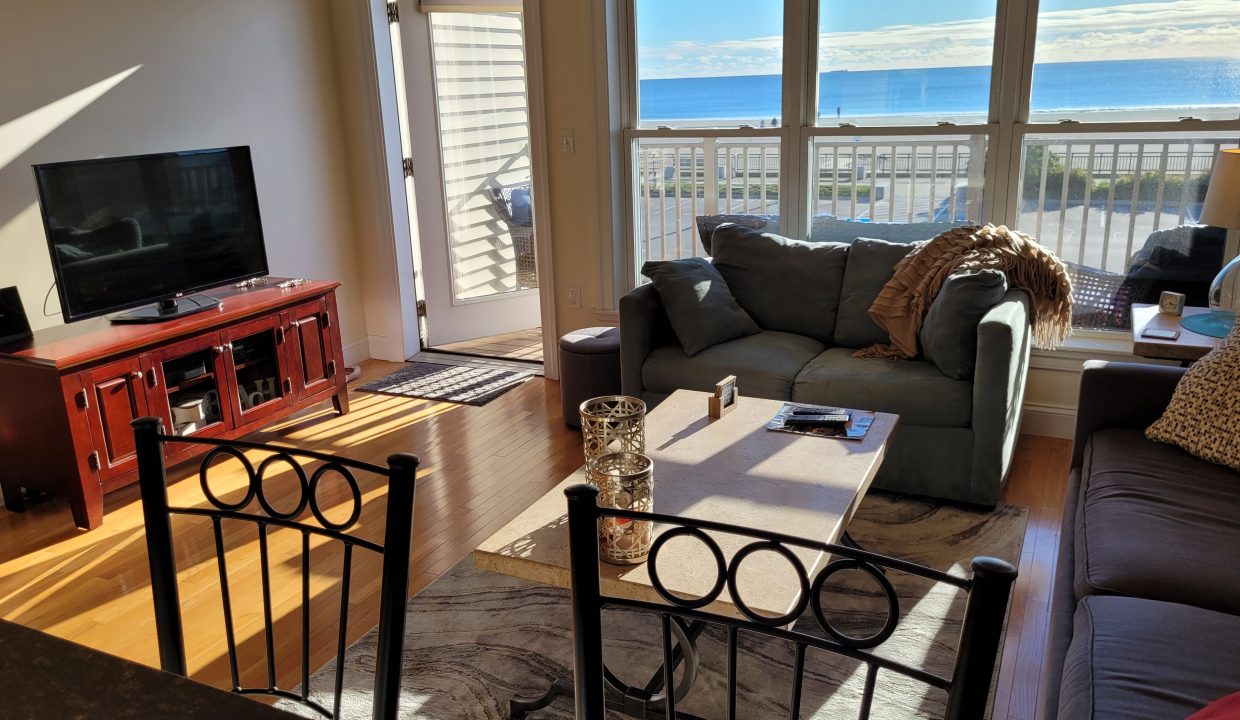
893, 180
1118, 190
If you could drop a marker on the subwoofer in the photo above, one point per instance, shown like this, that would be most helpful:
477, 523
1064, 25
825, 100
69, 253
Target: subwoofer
13, 323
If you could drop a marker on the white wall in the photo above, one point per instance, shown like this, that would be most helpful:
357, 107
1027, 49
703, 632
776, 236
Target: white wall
84, 78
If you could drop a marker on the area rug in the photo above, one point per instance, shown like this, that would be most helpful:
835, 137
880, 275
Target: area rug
468, 384
475, 639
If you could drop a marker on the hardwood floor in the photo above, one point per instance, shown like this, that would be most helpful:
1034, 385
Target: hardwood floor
480, 467
520, 345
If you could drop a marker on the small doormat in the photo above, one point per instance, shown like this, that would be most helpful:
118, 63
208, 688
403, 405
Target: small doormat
451, 383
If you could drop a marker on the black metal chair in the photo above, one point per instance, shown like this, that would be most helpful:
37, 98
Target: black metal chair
683, 618
400, 472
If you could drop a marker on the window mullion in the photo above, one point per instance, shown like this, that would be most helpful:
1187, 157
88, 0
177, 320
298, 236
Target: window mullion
798, 65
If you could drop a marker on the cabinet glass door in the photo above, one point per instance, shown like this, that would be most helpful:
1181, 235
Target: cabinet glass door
260, 385
194, 387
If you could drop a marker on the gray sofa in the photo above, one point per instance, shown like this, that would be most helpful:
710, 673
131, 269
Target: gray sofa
1145, 611
956, 437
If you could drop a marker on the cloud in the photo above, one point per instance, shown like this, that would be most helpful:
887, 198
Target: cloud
1182, 28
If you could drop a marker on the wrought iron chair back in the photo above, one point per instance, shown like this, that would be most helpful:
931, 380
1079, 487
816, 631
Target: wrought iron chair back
968, 687
400, 472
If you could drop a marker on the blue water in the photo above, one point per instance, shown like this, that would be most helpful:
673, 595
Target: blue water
1108, 85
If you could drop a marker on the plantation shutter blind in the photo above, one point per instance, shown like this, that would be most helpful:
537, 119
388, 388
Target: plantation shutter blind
470, 6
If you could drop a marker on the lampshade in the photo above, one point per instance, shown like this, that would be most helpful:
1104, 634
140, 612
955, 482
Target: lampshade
1222, 206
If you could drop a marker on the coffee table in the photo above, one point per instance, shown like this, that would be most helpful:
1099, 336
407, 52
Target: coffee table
731, 470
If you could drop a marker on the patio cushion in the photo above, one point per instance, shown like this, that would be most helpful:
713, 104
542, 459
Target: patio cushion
785, 285
914, 389
698, 303
1156, 523
871, 264
765, 365
1147, 660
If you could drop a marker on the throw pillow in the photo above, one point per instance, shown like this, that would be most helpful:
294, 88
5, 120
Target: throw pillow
949, 333
1203, 416
783, 284
871, 264
698, 303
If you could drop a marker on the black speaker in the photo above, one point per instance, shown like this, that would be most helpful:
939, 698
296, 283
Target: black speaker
13, 323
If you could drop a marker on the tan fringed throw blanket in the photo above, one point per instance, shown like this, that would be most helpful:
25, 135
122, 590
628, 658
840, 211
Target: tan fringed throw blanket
903, 302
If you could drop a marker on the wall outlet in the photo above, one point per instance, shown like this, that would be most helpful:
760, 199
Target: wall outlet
568, 143
574, 297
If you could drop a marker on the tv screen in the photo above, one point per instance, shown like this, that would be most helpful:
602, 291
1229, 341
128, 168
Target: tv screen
126, 232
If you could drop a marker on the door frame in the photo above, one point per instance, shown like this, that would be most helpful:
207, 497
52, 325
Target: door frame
431, 220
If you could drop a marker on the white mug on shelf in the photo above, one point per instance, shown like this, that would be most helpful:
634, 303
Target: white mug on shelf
190, 410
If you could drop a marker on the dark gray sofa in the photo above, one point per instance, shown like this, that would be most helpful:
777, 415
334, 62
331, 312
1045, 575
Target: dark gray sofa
1145, 612
956, 437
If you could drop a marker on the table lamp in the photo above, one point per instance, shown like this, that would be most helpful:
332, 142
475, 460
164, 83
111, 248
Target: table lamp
1222, 209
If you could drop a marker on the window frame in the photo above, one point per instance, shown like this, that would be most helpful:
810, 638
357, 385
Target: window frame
1007, 125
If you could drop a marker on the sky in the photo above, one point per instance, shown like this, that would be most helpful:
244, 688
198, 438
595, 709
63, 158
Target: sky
708, 38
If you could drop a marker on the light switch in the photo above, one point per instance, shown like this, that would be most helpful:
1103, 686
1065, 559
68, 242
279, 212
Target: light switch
568, 143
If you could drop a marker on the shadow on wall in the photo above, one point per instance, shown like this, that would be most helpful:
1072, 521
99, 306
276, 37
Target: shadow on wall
25, 139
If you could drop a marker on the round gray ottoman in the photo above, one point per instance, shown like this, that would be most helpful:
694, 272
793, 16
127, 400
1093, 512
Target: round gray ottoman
589, 367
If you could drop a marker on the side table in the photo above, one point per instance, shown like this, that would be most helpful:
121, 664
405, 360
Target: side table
1189, 346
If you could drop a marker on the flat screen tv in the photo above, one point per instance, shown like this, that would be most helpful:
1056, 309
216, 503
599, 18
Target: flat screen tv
149, 230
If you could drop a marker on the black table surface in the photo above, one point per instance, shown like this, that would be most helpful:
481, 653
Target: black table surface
44, 677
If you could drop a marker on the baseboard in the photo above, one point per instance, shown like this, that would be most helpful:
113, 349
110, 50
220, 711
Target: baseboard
357, 351
1048, 421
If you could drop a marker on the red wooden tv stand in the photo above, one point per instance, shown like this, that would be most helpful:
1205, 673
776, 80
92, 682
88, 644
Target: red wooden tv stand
68, 394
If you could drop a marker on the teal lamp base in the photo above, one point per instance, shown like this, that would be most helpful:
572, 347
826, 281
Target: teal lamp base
1216, 323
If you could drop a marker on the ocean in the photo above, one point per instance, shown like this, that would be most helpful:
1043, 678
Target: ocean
1105, 85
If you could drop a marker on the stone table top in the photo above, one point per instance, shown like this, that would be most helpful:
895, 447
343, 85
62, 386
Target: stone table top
730, 470
47, 677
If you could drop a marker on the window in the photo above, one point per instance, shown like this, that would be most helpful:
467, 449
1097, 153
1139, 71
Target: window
876, 70
703, 66
1115, 204
941, 113
479, 73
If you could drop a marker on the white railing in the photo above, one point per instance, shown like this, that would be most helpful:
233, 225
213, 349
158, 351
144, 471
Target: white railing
1090, 220
895, 180
1118, 191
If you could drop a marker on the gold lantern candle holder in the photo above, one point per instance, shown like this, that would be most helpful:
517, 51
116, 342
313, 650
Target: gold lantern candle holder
625, 481
613, 423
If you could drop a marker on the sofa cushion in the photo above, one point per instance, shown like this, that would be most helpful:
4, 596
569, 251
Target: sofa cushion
784, 284
871, 264
698, 303
765, 365
1157, 523
948, 335
914, 389
1204, 412
1134, 659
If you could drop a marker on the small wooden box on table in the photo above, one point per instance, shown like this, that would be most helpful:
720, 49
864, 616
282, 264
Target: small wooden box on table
67, 395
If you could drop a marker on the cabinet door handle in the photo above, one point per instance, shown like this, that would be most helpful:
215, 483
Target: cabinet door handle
331, 368
152, 380
217, 349
327, 320
137, 374
295, 323
83, 399
288, 385
279, 336
92, 460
